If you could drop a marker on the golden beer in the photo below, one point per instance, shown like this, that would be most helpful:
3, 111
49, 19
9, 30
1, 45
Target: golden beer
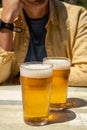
36, 81
61, 70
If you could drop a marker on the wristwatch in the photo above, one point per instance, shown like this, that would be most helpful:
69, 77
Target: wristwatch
9, 26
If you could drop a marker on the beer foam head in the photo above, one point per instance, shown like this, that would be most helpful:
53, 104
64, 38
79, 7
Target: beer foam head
58, 64
36, 70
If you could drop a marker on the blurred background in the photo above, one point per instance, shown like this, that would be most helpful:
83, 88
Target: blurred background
76, 2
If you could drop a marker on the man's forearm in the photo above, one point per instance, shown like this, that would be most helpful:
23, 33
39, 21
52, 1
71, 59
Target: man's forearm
10, 11
6, 40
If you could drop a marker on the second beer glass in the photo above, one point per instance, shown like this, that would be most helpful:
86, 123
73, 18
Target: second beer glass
36, 81
61, 70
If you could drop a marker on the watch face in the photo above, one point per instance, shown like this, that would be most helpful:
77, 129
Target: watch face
5, 25
1, 24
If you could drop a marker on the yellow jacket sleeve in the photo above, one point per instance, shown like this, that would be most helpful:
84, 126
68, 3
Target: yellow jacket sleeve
78, 75
6, 61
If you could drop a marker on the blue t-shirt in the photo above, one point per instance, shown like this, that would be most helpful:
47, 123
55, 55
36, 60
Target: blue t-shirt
36, 49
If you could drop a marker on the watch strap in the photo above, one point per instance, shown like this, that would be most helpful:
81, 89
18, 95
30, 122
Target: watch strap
9, 26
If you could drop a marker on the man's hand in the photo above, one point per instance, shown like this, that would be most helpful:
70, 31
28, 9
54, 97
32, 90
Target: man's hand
11, 9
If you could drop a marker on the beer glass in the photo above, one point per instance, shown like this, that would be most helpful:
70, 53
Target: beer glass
36, 82
61, 70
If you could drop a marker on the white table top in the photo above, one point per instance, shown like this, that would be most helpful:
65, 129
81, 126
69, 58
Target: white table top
11, 114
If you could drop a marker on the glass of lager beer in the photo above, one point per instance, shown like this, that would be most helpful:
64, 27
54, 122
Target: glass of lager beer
61, 70
36, 82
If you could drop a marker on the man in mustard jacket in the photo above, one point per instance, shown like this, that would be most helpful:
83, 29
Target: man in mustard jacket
33, 29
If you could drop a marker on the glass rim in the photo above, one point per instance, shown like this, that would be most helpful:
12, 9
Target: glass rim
59, 63
54, 58
24, 64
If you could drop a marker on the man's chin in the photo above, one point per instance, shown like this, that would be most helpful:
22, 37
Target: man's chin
37, 2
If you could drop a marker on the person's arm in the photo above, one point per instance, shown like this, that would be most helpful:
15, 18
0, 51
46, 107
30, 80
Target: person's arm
6, 40
8, 13
78, 75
